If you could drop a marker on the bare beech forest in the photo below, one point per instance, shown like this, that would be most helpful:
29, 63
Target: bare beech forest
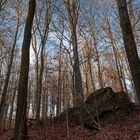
55, 53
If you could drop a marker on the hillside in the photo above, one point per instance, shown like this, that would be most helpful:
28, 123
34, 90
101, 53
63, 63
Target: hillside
126, 130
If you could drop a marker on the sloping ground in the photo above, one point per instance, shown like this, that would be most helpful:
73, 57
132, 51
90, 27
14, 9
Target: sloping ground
129, 130
126, 130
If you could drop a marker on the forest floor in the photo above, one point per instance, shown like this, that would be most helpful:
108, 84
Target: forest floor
128, 130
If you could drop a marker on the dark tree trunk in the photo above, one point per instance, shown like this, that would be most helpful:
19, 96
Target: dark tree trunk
130, 45
78, 90
20, 124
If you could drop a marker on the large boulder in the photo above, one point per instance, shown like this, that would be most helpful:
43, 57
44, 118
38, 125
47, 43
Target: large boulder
103, 106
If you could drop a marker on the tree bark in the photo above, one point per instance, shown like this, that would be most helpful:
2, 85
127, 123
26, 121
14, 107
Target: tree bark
12, 105
130, 45
20, 124
72, 8
42, 54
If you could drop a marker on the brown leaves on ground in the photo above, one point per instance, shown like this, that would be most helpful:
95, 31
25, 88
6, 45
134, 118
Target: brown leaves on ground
129, 130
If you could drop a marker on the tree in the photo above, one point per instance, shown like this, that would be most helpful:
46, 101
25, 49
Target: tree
130, 45
20, 124
4, 93
72, 12
108, 30
44, 36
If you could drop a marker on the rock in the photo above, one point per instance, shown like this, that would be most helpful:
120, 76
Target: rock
101, 107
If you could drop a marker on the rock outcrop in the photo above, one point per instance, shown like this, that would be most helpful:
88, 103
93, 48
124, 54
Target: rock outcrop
100, 108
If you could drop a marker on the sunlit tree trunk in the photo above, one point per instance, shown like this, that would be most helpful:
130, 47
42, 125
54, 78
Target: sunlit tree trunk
122, 74
36, 53
12, 104
42, 55
72, 7
12, 108
113, 45
89, 69
98, 60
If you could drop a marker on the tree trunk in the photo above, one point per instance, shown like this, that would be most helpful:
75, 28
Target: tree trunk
113, 45
20, 124
29, 99
72, 8
12, 106
4, 93
89, 67
34, 45
130, 45
42, 54
59, 85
